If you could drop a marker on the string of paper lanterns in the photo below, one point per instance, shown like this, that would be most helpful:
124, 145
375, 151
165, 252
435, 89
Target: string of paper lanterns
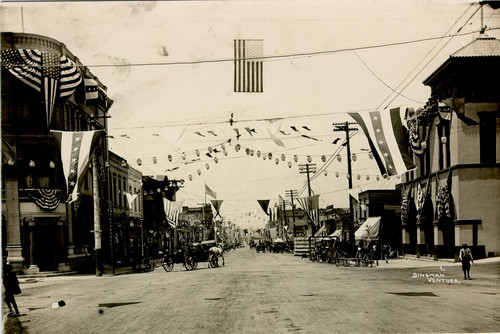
251, 152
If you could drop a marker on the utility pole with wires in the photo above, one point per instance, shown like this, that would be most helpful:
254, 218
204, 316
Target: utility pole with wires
308, 168
282, 224
292, 194
346, 127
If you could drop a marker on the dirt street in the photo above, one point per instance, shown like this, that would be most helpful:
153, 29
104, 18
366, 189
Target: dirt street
267, 293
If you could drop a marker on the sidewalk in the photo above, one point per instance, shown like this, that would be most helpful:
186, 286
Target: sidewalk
413, 262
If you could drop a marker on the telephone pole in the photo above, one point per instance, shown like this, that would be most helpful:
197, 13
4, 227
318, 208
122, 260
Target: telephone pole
292, 194
345, 127
307, 168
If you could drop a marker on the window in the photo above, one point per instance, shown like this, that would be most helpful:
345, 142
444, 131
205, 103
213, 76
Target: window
114, 188
38, 164
124, 191
120, 191
487, 137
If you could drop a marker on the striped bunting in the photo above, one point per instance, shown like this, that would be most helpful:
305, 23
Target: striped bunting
52, 75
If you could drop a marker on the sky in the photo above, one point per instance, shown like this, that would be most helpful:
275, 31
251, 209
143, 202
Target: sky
168, 66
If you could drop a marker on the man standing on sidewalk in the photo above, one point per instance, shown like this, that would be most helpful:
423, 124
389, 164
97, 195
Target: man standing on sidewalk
11, 285
466, 259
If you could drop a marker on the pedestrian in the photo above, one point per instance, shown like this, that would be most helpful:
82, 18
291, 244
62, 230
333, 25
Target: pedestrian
466, 259
11, 285
387, 252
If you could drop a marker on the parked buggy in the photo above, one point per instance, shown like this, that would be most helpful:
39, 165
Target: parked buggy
182, 255
207, 251
277, 246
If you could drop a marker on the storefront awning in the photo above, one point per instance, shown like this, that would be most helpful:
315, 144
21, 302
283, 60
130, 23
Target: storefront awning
337, 233
369, 230
320, 231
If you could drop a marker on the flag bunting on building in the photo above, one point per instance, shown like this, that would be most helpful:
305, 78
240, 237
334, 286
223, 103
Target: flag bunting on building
459, 106
406, 200
50, 74
47, 199
210, 192
443, 198
387, 140
217, 204
172, 210
419, 127
421, 198
248, 65
76, 149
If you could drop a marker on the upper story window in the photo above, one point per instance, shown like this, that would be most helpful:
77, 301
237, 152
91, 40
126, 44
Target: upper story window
115, 190
120, 191
488, 129
124, 191
37, 160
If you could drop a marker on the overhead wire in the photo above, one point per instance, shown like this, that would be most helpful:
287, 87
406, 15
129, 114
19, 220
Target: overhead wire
279, 56
435, 55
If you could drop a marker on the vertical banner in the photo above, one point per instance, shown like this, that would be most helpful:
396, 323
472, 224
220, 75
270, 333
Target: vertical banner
76, 149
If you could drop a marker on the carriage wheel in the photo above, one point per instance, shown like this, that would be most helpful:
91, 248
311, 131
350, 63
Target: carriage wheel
211, 261
214, 261
369, 260
190, 263
168, 263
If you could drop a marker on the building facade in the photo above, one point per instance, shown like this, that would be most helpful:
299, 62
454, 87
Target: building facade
385, 204
452, 196
41, 231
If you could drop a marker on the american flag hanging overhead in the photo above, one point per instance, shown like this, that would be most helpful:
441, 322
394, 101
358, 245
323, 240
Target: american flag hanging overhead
76, 149
50, 74
248, 65
172, 210
310, 205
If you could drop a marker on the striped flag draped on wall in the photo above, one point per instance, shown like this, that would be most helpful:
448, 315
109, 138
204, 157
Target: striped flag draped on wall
76, 149
248, 65
387, 140
50, 74
172, 210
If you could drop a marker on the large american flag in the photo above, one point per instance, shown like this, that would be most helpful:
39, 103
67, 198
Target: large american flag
50, 74
76, 149
248, 65
387, 140
310, 205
